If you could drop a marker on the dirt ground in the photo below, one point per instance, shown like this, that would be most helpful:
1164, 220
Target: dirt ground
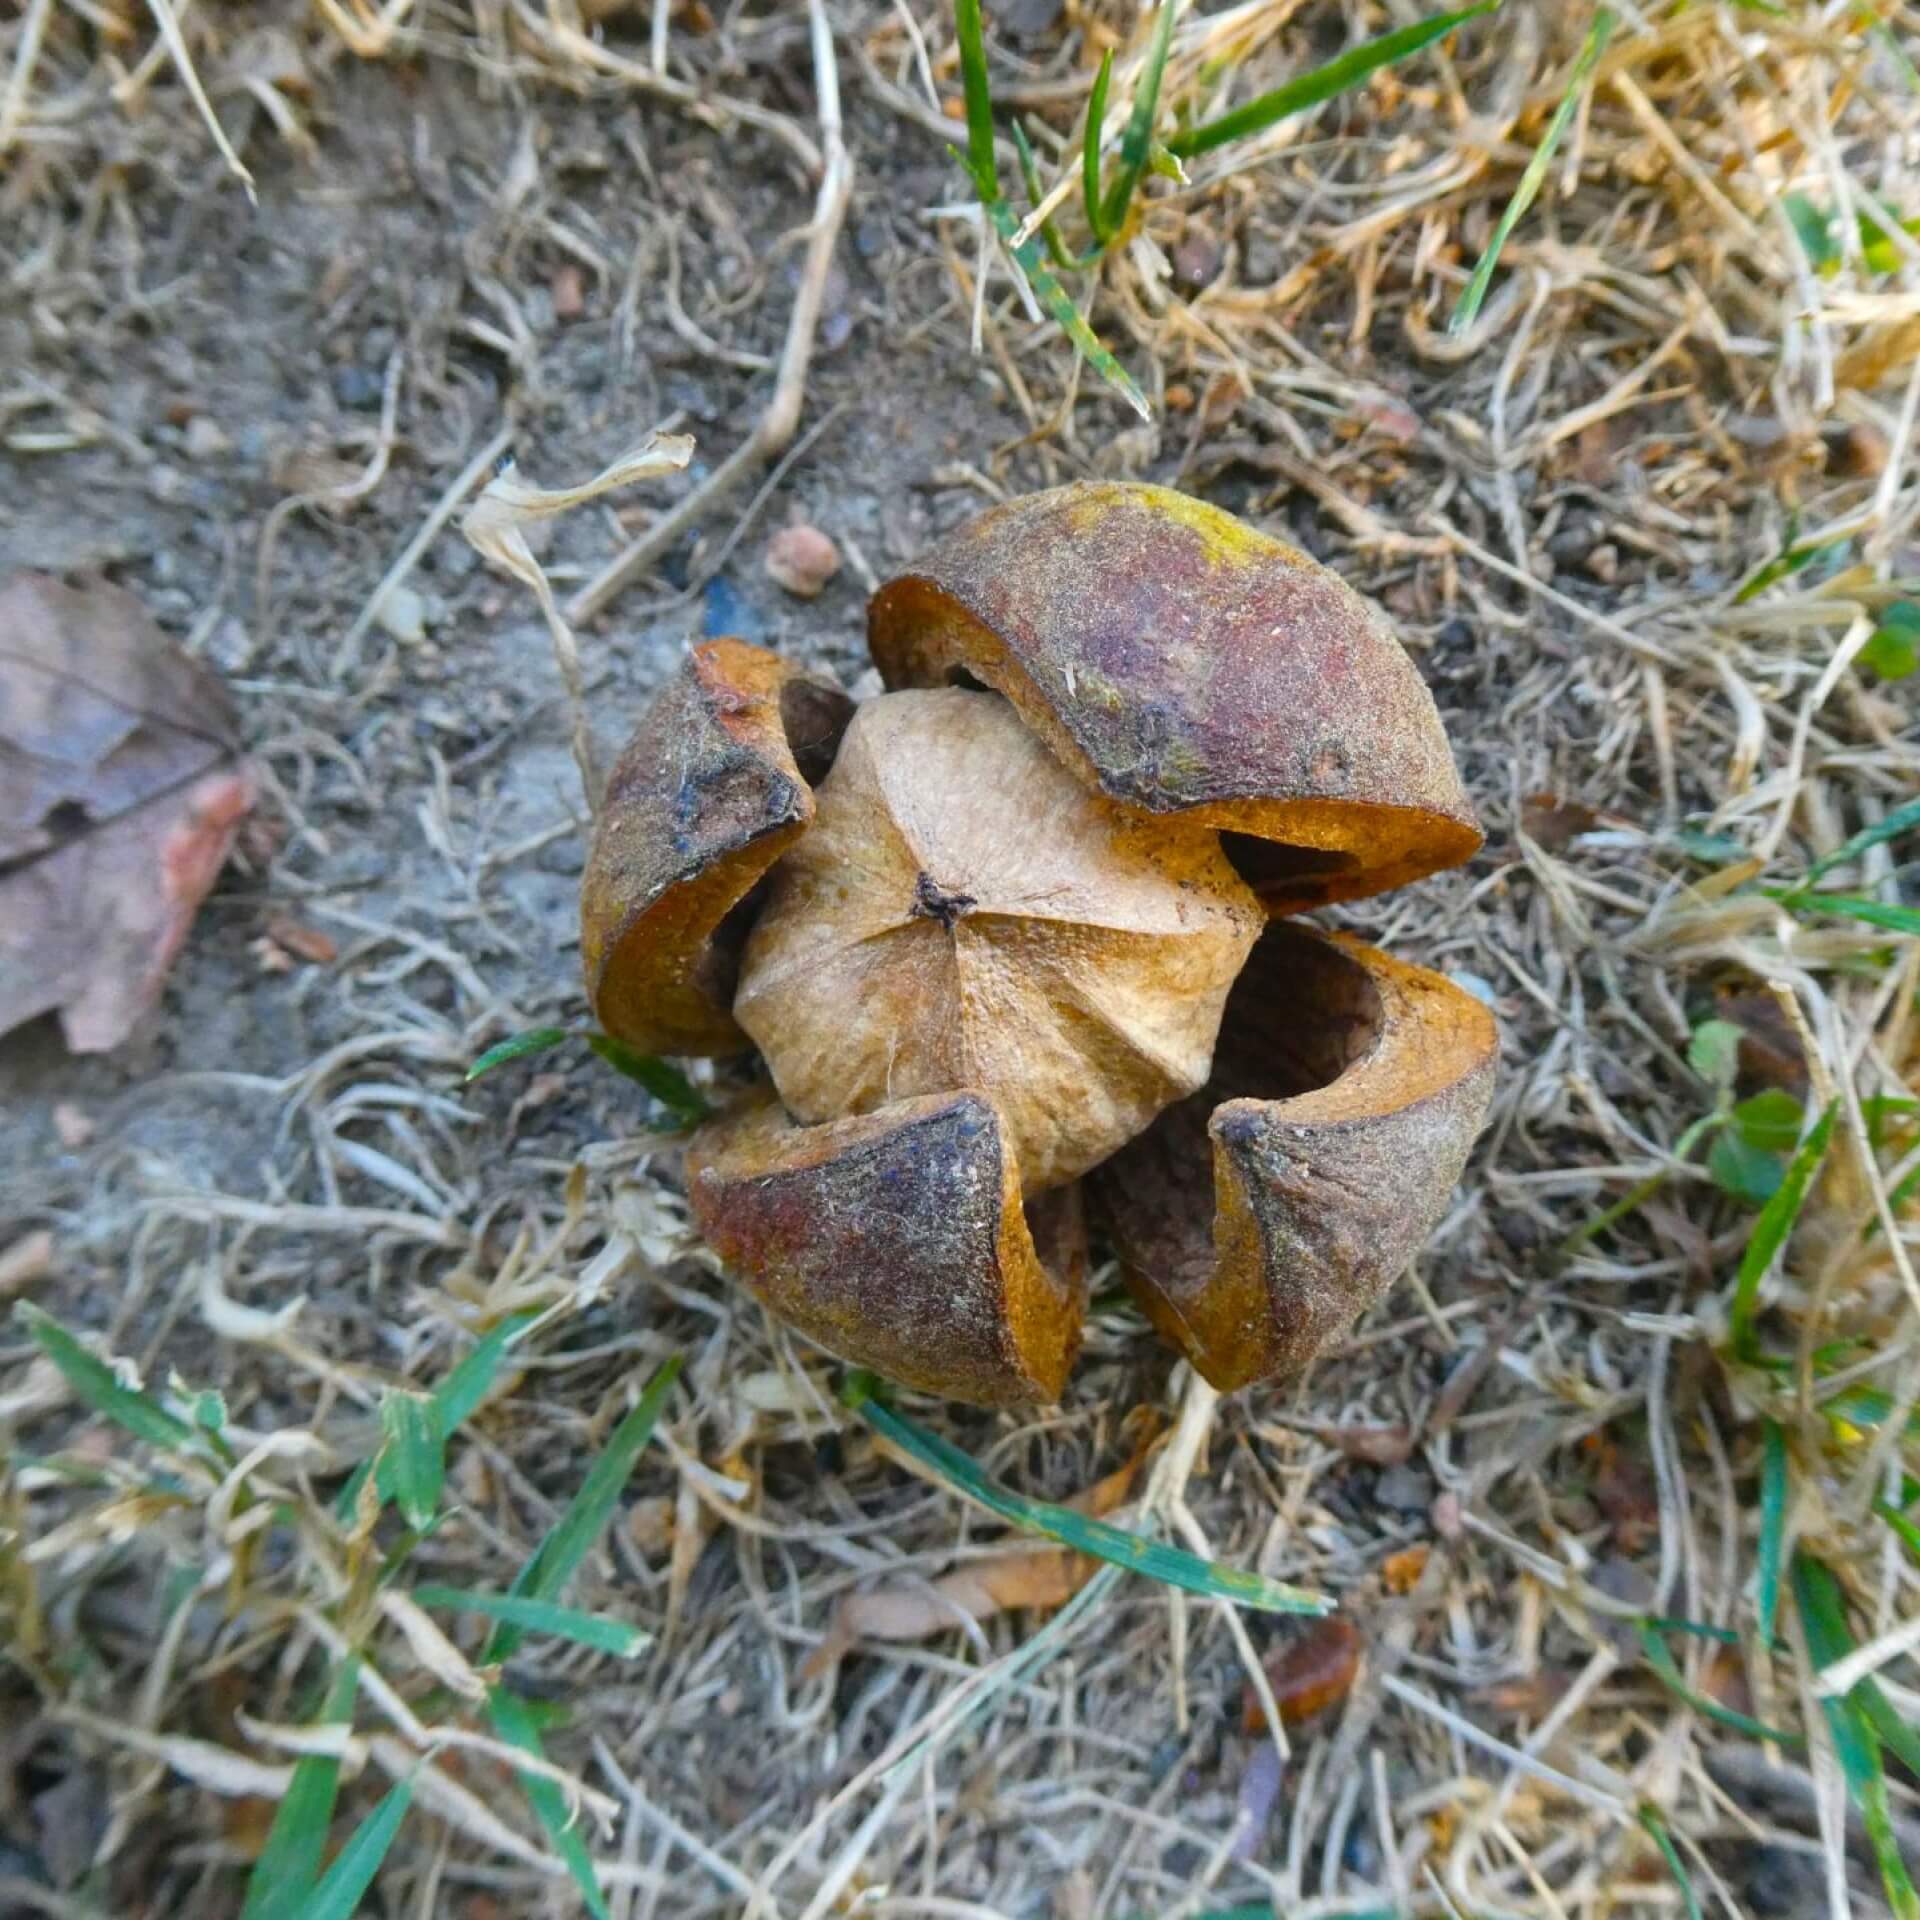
495, 253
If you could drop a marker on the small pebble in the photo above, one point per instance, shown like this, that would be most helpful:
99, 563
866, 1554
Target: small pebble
204, 440
1476, 984
1196, 261
357, 388
403, 614
1603, 562
1405, 1489
802, 560
569, 291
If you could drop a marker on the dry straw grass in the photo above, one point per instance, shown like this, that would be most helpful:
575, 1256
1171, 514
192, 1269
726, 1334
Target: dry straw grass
1577, 510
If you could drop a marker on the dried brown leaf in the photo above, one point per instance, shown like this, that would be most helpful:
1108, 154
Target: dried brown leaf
28, 1259
1021, 1577
121, 788
1312, 1674
303, 942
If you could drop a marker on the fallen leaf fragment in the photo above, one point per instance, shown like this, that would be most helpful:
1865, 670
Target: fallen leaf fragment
122, 786
1400, 1572
303, 942
1624, 1491
28, 1259
1313, 1673
1044, 1577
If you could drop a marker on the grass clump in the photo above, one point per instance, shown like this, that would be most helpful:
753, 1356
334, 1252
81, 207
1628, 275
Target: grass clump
351, 1584
1108, 200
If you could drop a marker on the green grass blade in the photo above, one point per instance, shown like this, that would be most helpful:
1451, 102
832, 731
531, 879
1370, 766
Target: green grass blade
96, 1383
1770, 1232
542, 1616
1136, 143
1867, 1408
1030, 175
1171, 1565
1813, 228
1655, 1824
1875, 913
416, 1454
1059, 304
297, 1841
454, 1401
571, 1538
515, 1725
666, 1083
1090, 149
1894, 1733
342, 1885
1697, 1629
517, 1046
1591, 49
1773, 1526
1642, 1191
1784, 565
1667, 1672
457, 1398
971, 35
1340, 74
1908, 1533
1855, 1740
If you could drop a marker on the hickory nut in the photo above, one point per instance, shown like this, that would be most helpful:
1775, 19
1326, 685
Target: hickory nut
1012, 941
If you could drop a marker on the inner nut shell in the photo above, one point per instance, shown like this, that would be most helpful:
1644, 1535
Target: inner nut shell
966, 913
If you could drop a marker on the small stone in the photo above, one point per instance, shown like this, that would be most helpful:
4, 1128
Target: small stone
403, 614
1405, 1489
73, 1123
1519, 1230
230, 646
569, 289
355, 387
1196, 261
452, 559
204, 440
1603, 562
802, 560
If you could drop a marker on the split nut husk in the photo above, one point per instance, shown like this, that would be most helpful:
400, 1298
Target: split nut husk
1010, 941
